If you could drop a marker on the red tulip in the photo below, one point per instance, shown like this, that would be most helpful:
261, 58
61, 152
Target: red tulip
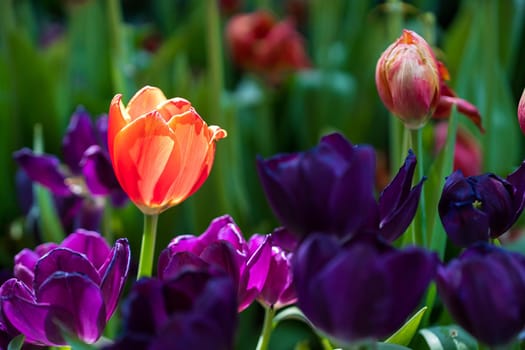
161, 149
407, 79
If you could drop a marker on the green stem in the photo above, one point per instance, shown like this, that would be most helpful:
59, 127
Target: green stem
419, 225
147, 249
264, 339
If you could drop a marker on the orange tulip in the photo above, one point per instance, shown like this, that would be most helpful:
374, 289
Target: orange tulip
161, 149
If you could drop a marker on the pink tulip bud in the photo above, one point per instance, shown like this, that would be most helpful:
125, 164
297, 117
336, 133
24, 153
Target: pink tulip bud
407, 79
521, 111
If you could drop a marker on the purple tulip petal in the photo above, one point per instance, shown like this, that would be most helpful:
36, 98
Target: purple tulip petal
180, 261
89, 243
114, 273
62, 260
76, 304
224, 228
223, 255
79, 136
44, 169
27, 317
397, 190
395, 223
256, 272
27, 258
98, 171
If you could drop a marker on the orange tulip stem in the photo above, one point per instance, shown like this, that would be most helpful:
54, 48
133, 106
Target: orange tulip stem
147, 248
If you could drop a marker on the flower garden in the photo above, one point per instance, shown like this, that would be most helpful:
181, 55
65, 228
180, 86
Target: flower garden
258, 174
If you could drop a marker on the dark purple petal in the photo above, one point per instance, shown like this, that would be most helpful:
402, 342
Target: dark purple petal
284, 239
493, 315
328, 188
68, 209
44, 169
75, 304
63, 260
79, 136
89, 243
398, 189
395, 224
517, 179
179, 262
98, 171
27, 258
223, 255
114, 273
363, 290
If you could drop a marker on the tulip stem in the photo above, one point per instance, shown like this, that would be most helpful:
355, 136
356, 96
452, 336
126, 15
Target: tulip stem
147, 248
264, 339
419, 224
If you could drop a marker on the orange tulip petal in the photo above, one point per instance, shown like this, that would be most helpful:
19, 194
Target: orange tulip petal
145, 149
173, 107
145, 100
192, 135
116, 121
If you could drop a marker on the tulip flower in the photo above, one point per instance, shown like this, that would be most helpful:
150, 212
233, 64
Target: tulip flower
258, 42
70, 288
362, 290
222, 246
483, 291
86, 178
407, 79
195, 309
480, 208
161, 149
521, 111
330, 189
467, 151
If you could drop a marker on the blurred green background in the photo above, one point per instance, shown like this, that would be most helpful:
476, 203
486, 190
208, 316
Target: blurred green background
58, 54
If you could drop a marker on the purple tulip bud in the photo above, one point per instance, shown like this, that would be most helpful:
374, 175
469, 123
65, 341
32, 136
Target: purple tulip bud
79, 136
73, 287
330, 189
194, 309
478, 208
364, 289
222, 246
483, 290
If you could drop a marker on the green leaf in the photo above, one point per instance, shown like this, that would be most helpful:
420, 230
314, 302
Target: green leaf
16, 343
291, 313
387, 346
404, 335
444, 338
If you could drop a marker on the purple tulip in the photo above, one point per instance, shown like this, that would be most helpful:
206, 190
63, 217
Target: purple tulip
330, 189
278, 290
222, 245
73, 287
483, 290
478, 208
195, 309
364, 289
86, 176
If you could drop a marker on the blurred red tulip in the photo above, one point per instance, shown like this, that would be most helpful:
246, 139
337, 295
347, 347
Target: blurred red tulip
467, 153
259, 43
